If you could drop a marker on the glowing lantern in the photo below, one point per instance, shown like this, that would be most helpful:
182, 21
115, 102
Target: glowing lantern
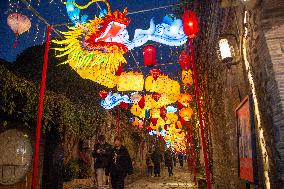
155, 73
156, 96
186, 113
149, 53
154, 121
163, 112
184, 99
103, 94
136, 97
130, 81
184, 60
141, 103
186, 77
190, 23
19, 24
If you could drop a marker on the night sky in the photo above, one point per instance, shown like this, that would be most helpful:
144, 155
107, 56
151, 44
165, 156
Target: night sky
54, 12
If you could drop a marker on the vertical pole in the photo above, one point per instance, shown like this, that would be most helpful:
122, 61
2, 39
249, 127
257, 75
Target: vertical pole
118, 121
192, 154
40, 108
203, 139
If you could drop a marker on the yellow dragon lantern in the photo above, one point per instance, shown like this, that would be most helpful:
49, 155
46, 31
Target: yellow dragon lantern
91, 47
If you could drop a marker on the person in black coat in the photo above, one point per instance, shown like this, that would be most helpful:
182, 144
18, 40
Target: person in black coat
156, 158
120, 164
101, 155
169, 161
180, 158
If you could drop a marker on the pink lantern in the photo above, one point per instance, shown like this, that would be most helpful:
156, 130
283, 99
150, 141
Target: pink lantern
19, 24
136, 98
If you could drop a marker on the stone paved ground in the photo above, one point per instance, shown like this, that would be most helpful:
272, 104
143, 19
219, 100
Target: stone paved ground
180, 180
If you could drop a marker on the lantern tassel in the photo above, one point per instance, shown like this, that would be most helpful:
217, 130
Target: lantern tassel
15, 42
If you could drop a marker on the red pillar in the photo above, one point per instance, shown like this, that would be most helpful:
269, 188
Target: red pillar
203, 139
40, 108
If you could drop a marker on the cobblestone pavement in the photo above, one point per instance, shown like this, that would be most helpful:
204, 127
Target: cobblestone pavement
180, 180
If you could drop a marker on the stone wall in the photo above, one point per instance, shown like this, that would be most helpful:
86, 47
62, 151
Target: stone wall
224, 88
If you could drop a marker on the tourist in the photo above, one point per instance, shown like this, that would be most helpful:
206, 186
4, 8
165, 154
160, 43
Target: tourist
156, 158
120, 164
175, 159
180, 158
101, 155
149, 163
169, 161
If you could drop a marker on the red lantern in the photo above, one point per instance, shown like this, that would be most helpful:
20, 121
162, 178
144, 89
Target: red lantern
155, 73
123, 105
149, 53
103, 94
154, 121
182, 121
156, 96
165, 127
190, 23
184, 60
119, 70
180, 105
141, 103
163, 112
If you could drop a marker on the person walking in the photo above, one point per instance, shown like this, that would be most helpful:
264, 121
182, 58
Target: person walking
169, 160
120, 164
149, 163
101, 155
156, 158
175, 159
180, 159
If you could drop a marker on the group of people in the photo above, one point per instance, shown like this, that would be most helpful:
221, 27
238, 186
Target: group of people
112, 162
154, 159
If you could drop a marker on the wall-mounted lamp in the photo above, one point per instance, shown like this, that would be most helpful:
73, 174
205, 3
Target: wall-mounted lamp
228, 50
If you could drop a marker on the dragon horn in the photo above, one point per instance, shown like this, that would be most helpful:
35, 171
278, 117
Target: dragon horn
91, 2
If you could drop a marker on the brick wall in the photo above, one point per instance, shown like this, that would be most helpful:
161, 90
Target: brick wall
272, 22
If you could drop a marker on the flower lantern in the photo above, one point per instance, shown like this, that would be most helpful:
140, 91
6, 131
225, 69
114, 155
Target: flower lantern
184, 60
184, 99
149, 53
103, 94
190, 23
19, 24
186, 113
186, 77
155, 73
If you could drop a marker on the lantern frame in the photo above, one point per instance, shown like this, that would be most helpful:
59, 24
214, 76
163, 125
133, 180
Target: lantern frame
231, 46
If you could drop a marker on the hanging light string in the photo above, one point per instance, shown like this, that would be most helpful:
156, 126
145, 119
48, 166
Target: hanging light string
36, 13
130, 13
